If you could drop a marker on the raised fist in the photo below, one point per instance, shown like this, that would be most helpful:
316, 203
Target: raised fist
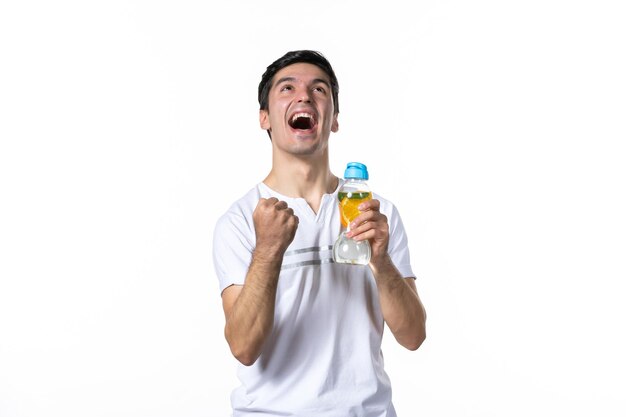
275, 225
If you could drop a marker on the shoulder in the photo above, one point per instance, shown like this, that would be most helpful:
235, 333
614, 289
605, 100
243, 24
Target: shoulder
239, 214
387, 207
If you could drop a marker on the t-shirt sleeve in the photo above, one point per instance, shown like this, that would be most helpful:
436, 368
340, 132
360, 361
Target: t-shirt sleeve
233, 243
398, 244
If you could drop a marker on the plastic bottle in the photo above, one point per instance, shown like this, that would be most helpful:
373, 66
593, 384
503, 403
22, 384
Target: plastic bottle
353, 192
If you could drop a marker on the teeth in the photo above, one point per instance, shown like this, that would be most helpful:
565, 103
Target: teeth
298, 115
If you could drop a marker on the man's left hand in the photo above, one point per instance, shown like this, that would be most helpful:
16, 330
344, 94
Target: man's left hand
371, 225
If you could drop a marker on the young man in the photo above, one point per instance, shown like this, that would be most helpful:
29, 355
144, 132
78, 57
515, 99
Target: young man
308, 331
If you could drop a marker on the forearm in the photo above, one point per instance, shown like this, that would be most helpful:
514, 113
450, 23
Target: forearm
401, 306
251, 318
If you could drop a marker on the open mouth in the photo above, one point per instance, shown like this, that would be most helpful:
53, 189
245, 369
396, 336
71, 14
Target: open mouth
302, 121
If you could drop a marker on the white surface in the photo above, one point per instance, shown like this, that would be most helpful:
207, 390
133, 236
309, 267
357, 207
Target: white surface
497, 128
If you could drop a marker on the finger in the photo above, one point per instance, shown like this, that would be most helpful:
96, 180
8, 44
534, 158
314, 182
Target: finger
376, 222
372, 204
280, 205
357, 227
266, 202
362, 234
368, 216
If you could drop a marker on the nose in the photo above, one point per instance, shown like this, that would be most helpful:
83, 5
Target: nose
305, 96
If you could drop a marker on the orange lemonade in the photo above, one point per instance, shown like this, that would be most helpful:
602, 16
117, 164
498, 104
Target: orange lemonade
349, 203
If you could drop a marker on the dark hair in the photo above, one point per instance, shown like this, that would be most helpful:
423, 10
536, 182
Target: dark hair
294, 57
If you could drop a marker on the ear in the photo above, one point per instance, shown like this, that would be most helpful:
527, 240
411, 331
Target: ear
335, 125
264, 119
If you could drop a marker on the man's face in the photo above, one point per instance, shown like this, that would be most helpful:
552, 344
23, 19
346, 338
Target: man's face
301, 112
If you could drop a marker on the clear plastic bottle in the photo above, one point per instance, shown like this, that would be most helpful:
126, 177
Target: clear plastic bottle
353, 192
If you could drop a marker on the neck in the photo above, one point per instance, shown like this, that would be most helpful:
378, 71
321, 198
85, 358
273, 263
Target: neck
300, 179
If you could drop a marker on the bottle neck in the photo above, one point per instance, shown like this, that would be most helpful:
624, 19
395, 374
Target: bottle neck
355, 184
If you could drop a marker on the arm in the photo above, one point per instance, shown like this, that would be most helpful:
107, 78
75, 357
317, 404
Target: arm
401, 306
249, 308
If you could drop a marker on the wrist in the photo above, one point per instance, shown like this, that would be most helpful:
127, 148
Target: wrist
268, 256
382, 265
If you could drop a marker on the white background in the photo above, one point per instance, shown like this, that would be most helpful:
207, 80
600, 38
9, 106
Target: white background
128, 127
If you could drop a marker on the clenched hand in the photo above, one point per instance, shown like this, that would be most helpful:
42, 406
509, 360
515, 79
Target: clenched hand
275, 225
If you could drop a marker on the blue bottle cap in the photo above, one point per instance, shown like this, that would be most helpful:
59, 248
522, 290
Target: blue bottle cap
356, 170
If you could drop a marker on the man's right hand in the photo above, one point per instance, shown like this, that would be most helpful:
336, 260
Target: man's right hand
275, 225
249, 308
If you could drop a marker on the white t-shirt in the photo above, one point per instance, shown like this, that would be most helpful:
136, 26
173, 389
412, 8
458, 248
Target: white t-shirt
323, 357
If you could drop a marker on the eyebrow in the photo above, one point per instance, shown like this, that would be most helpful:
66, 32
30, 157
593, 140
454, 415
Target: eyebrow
292, 79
